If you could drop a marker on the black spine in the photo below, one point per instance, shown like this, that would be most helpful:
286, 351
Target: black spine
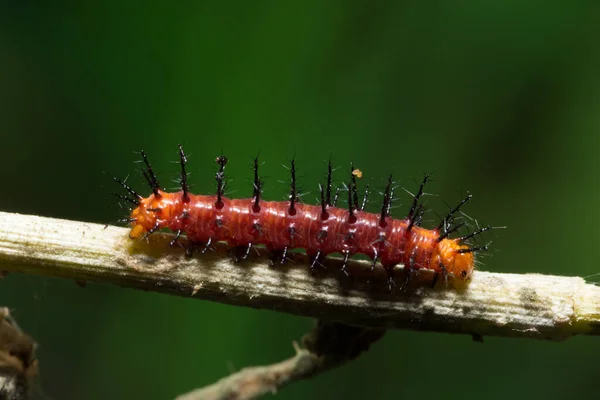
351, 216
150, 176
365, 198
324, 214
448, 218
449, 231
477, 232
128, 199
329, 180
257, 187
413, 213
337, 195
472, 249
387, 199
293, 191
419, 215
388, 210
220, 178
353, 186
136, 197
183, 178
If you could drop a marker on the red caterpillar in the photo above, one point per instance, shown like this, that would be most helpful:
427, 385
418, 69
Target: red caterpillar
319, 229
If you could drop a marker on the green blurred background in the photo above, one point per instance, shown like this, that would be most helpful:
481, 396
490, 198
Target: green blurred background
498, 98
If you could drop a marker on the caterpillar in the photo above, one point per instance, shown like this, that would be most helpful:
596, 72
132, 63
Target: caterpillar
318, 229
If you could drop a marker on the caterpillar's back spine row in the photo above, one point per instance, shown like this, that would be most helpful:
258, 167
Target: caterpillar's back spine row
319, 229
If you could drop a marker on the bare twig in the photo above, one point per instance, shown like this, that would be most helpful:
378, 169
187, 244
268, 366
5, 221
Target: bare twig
517, 305
253, 382
328, 346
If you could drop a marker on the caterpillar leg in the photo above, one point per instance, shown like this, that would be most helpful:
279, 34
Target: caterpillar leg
240, 253
345, 263
175, 240
443, 273
316, 260
375, 259
193, 246
207, 245
389, 269
409, 269
277, 256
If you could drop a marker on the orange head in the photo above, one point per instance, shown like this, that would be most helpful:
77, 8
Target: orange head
144, 217
456, 258
152, 213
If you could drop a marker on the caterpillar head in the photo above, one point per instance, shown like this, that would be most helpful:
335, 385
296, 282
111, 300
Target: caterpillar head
151, 214
457, 258
143, 218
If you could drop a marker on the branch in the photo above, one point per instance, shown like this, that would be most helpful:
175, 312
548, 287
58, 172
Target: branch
491, 304
253, 382
329, 345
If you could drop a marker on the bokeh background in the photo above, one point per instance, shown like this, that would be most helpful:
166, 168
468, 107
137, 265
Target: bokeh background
498, 98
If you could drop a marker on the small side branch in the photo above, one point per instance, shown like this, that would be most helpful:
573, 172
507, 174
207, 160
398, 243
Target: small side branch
253, 382
329, 345
491, 304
